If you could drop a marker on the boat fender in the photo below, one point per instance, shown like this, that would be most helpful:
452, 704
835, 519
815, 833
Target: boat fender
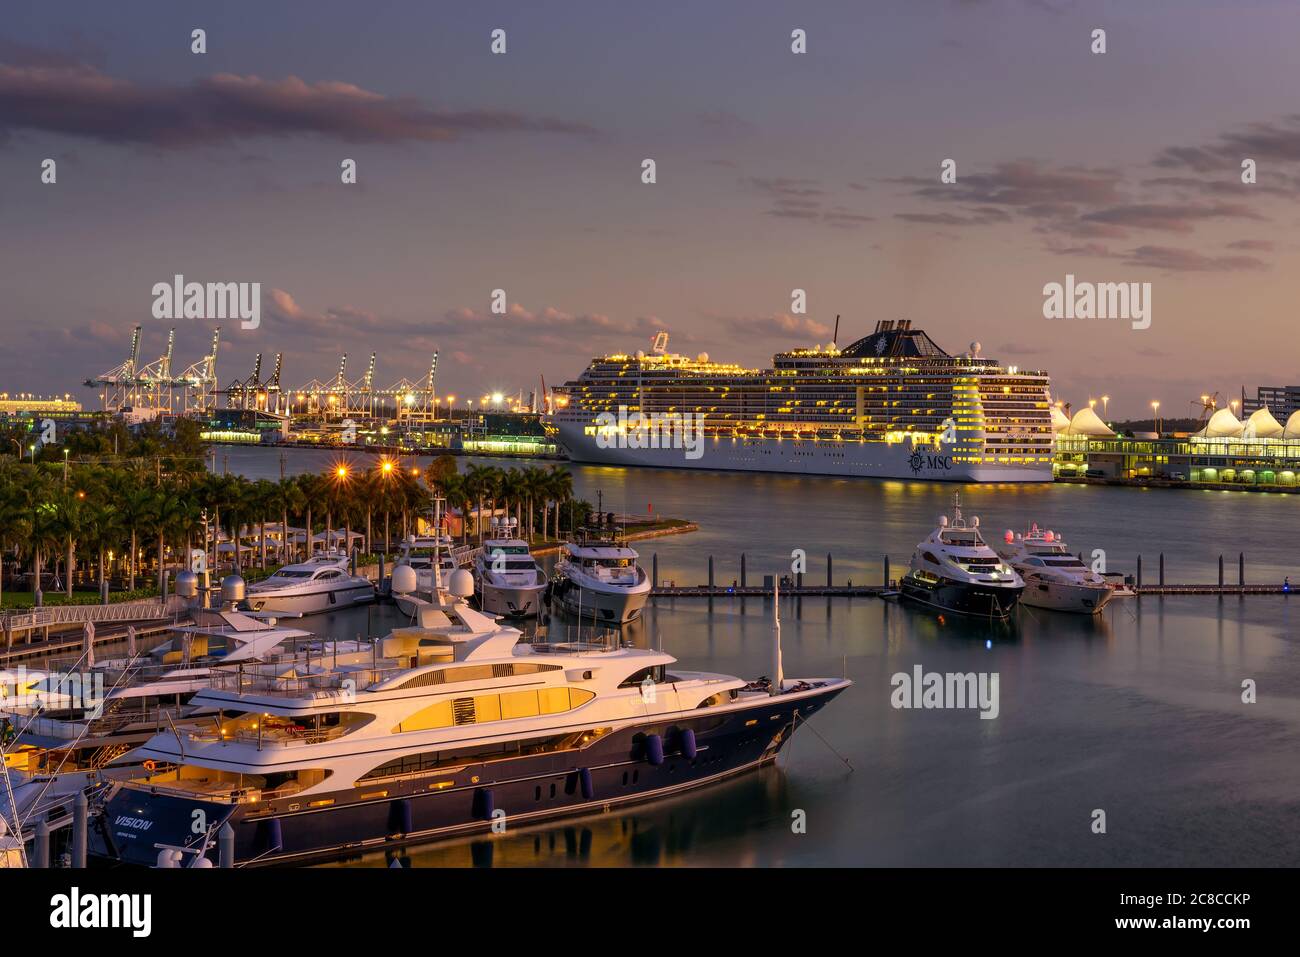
399, 817
584, 777
169, 858
688, 743
270, 834
484, 804
654, 749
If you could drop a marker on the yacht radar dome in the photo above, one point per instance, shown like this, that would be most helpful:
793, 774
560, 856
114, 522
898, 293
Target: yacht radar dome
187, 584
461, 584
943, 521
404, 580
232, 588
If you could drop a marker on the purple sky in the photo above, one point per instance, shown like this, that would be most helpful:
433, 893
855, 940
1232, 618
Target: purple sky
775, 171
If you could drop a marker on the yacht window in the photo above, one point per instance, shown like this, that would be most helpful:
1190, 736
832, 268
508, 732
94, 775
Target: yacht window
494, 707
930, 558
291, 573
657, 674
326, 576
429, 761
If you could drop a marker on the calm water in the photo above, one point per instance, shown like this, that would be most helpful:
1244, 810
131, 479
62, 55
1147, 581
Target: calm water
1138, 713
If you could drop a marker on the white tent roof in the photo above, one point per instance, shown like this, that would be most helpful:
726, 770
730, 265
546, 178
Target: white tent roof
1264, 425
1292, 430
1087, 422
336, 535
1060, 421
1222, 425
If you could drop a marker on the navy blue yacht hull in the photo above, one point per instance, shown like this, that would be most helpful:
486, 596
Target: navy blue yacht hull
626, 766
962, 598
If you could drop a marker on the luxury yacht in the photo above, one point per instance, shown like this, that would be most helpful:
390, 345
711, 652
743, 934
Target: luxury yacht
507, 578
1053, 577
322, 583
954, 570
600, 579
446, 728
75, 719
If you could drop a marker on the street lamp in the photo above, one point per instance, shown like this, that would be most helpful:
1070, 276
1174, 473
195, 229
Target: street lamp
1155, 408
1105, 406
65, 468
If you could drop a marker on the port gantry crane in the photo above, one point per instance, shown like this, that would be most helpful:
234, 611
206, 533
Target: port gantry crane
154, 386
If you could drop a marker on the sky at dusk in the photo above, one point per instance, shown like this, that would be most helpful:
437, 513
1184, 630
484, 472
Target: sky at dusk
775, 171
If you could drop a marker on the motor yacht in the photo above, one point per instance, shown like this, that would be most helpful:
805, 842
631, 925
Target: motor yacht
600, 580
1054, 578
954, 570
322, 583
446, 728
507, 578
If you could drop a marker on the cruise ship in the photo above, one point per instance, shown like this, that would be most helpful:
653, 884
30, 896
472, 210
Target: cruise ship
890, 405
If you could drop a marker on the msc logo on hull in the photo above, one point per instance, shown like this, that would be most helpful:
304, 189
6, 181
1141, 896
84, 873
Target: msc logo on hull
921, 462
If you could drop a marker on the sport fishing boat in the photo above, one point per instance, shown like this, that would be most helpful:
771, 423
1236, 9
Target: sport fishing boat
507, 578
445, 729
1054, 579
322, 583
599, 579
954, 570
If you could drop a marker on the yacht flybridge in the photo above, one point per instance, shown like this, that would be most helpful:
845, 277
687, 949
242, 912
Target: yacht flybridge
600, 580
441, 729
508, 579
322, 583
954, 570
1054, 578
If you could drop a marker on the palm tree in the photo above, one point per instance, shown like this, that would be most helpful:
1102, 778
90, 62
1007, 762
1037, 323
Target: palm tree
479, 481
15, 518
167, 517
559, 482
133, 504
104, 531
289, 499
264, 496
67, 523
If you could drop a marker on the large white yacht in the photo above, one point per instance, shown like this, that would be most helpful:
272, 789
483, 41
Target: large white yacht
1054, 578
954, 570
600, 580
446, 728
322, 583
507, 577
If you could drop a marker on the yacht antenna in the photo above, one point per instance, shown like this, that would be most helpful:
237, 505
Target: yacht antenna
836, 338
778, 679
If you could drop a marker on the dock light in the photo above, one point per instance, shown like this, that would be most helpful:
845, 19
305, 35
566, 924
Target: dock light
410, 398
387, 468
341, 471
497, 398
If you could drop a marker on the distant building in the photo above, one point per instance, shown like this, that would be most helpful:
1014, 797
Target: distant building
1281, 400
11, 403
243, 426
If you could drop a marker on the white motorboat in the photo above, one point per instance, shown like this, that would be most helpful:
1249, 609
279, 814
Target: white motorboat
600, 580
954, 570
322, 583
430, 557
508, 579
1054, 578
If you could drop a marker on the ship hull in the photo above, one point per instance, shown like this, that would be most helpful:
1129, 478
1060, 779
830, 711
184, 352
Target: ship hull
806, 457
310, 603
604, 607
617, 770
961, 598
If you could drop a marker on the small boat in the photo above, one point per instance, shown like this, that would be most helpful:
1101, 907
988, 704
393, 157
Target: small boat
322, 583
430, 558
954, 570
1054, 578
600, 580
507, 578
